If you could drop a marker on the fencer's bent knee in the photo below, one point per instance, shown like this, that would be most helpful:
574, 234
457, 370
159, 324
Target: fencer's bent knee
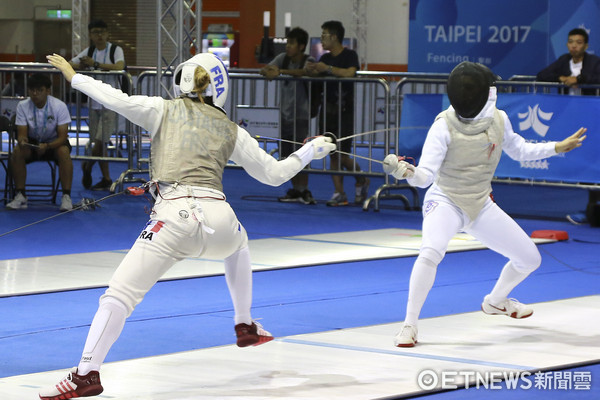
527, 263
125, 299
235, 256
113, 302
432, 256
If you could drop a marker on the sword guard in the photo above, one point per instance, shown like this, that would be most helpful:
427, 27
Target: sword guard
332, 136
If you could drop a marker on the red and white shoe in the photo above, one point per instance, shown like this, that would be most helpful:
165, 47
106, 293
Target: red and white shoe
509, 307
407, 337
74, 385
251, 335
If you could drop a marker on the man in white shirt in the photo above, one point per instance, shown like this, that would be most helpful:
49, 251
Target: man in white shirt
42, 134
106, 56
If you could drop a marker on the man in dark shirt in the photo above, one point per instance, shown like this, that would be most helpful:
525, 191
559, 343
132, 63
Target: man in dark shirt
575, 67
338, 107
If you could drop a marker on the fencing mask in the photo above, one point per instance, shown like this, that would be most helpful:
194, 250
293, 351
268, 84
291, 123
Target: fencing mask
468, 88
183, 77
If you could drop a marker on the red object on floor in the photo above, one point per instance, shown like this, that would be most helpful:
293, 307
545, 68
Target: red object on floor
550, 234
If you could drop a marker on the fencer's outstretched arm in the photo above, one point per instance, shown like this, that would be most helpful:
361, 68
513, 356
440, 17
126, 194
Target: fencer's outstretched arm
144, 111
438, 138
519, 149
147, 112
266, 169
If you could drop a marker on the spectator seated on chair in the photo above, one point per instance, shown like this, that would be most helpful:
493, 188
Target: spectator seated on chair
42, 135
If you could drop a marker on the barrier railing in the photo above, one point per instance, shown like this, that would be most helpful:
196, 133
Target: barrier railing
14, 78
400, 141
253, 96
379, 99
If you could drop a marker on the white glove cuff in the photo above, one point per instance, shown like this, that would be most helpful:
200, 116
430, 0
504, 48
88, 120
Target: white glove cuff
305, 153
419, 179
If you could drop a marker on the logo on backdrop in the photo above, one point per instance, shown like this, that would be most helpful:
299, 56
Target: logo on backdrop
535, 119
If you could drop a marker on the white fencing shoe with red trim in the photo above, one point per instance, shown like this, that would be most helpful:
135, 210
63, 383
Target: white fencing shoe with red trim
74, 385
509, 307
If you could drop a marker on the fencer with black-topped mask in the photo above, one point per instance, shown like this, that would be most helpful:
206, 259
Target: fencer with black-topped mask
192, 141
458, 160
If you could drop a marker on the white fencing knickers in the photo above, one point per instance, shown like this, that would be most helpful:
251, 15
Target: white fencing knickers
179, 228
492, 227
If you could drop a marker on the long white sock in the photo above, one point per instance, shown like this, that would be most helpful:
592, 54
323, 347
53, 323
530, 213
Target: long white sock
238, 274
421, 282
106, 328
509, 278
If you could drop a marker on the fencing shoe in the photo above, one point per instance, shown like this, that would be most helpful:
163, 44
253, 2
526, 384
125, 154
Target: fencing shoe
251, 335
18, 203
65, 203
509, 307
74, 385
407, 337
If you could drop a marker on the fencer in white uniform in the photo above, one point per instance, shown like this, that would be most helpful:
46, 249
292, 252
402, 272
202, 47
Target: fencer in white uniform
458, 160
192, 142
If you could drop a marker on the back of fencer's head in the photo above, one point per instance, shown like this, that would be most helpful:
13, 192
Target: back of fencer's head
468, 88
184, 78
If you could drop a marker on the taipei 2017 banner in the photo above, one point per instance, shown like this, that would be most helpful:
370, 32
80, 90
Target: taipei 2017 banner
553, 117
512, 37
537, 118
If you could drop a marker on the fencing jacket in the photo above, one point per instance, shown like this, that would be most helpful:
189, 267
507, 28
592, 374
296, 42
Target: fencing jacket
191, 142
471, 159
451, 166
193, 145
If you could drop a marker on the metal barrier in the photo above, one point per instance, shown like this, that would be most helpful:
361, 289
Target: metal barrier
14, 78
422, 86
378, 102
255, 93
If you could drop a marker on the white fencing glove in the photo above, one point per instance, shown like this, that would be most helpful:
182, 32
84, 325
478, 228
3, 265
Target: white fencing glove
398, 168
322, 146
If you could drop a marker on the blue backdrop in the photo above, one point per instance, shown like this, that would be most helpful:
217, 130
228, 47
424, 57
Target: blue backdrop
536, 117
512, 37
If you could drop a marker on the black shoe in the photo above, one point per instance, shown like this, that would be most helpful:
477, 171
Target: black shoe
104, 185
292, 196
307, 197
87, 176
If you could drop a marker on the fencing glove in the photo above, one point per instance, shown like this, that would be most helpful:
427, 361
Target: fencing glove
398, 168
322, 146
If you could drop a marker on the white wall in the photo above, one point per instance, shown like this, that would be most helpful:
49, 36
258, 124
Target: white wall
387, 24
17, 19
17, 37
